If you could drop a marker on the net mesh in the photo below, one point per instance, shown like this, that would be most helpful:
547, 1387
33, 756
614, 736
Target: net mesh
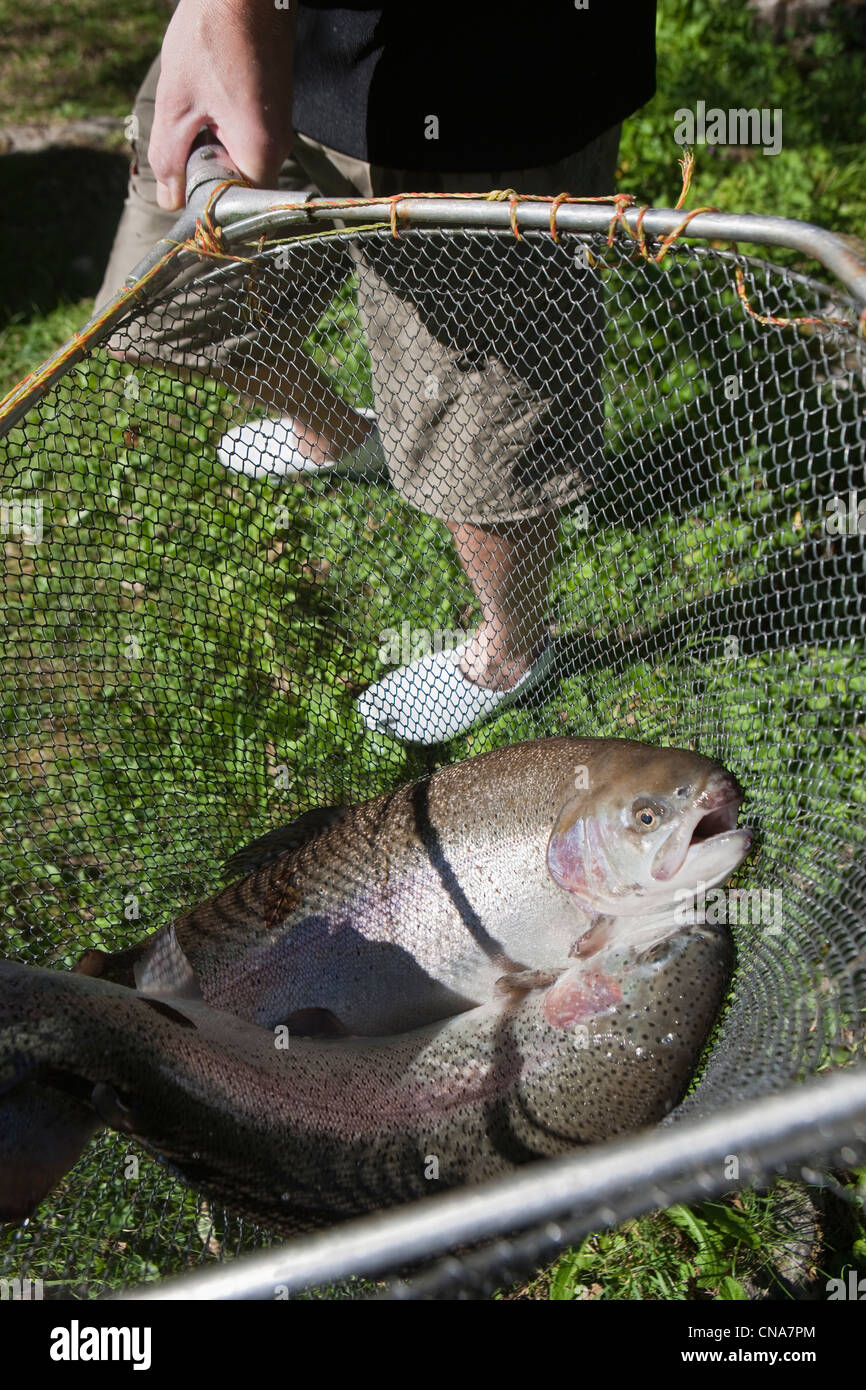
192, 611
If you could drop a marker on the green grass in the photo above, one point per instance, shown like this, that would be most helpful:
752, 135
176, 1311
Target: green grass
25, 341
83, 58
784, 1244
720, 54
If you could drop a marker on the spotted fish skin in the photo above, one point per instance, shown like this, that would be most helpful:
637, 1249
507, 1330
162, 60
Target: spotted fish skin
406, 909
299, 1136
500, 945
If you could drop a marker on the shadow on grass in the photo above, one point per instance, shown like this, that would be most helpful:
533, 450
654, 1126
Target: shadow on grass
60, 212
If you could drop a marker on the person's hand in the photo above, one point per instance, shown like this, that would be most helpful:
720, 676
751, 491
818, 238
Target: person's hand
226, 64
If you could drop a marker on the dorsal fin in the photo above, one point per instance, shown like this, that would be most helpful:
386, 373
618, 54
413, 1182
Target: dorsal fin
164, 971
91, 962
276, 842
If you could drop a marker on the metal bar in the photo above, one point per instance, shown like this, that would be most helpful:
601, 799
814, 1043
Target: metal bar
608, 1184
246, 213
211, 163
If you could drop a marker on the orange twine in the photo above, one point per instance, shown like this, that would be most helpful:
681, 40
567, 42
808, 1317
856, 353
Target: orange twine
208, 241
668, 241
687, 164
554, 208
772, 322
512, 215
393, 215
208, 238
621, 202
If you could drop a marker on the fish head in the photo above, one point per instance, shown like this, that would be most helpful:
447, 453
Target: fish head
654, 827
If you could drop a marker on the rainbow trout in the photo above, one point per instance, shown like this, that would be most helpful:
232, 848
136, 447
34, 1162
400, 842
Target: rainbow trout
383, 917
500, 962
302, 1135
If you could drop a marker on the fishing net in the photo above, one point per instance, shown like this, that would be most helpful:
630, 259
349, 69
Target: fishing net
189, 626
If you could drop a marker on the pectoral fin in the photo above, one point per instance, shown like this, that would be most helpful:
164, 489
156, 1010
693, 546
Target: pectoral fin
522, 981
599, 935
112, 1109
91, 962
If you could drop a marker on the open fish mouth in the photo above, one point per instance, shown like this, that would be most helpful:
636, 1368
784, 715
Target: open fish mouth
717, 821
711, 837
728, 844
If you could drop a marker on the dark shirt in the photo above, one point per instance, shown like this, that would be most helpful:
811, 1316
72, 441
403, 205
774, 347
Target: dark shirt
510, 86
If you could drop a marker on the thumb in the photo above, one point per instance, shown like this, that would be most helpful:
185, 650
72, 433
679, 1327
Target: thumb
170, 195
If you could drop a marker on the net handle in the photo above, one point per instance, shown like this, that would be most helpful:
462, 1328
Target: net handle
209, 162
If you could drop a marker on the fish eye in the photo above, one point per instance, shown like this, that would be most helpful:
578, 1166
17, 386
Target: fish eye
647, 814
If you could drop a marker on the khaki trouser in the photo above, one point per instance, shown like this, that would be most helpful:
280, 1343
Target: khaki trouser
485, 363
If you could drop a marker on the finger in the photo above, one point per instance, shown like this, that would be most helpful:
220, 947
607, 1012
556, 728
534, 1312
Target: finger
257, 151
171, 142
